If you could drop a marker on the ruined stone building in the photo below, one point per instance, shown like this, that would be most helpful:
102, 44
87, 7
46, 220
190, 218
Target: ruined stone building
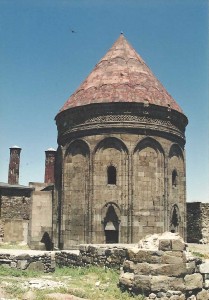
119, 171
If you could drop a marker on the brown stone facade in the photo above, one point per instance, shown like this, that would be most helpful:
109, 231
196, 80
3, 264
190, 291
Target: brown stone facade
120, 173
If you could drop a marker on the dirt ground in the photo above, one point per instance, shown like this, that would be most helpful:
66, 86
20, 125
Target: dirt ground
199, 248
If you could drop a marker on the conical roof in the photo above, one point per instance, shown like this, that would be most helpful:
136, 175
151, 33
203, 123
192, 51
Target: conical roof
121, 76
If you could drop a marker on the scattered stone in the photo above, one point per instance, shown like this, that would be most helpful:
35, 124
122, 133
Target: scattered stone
203, 295
97, 284
42, 284
22, 264
36, 266
204, 268
192, 297
126, 279
152, 296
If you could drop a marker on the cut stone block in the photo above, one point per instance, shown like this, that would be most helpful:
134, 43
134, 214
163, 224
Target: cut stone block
178, 245
193, 281
165, 245
165, 283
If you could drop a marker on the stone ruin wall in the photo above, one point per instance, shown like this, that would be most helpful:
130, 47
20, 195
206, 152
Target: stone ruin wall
44, 261
166, 273
205, 223
198, 222
15, 207
14, 218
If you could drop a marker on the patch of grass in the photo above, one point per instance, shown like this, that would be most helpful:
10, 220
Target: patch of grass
198, 254
93, 283
10, 272
14, 246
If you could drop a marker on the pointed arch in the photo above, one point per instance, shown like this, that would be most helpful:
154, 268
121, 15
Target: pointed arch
149, 142
111, 142
176, 150
105, 209
78, 147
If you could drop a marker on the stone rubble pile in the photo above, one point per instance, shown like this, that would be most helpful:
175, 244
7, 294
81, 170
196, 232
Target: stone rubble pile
41, 284
161, 268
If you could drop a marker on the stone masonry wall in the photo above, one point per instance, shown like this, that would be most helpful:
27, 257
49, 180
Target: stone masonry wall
15, 207
205, 223
198, 222
110, 256
35, 261
194, 222
39, 233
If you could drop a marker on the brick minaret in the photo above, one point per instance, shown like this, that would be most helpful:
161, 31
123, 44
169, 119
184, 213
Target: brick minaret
14, 165
49, 165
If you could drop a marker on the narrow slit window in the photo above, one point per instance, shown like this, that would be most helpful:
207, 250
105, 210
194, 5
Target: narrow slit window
111, 175
174, 178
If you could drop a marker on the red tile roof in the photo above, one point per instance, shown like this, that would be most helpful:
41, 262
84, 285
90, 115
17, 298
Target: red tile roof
121, 76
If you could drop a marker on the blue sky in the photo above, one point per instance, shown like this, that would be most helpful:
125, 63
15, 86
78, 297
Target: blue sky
42, 62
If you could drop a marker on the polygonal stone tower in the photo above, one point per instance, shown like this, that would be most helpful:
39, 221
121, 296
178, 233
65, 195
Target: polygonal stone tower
120, 167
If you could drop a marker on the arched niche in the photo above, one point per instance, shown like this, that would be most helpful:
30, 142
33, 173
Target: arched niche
76, 165
176, 168
110, 154
148, 176
76, 191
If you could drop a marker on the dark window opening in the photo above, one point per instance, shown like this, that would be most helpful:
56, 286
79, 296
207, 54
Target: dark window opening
174, 178
175, 219
111, 175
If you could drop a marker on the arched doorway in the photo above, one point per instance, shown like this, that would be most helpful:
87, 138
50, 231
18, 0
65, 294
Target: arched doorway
111, 226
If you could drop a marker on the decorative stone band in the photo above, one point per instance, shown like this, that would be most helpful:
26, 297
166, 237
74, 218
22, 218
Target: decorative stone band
124, 117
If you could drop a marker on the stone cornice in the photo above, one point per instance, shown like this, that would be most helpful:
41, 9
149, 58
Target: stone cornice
121, 117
